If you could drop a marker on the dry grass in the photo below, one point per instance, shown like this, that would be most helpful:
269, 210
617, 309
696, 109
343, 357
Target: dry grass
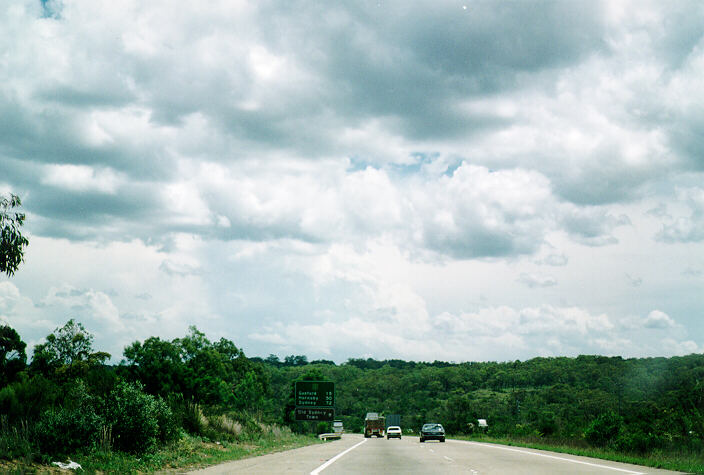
224, 424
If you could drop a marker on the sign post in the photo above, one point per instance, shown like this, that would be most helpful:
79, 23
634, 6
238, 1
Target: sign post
315, 400
315, 414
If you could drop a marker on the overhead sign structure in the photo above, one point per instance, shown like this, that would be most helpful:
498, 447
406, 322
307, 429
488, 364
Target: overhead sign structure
315, 414
315, 393
315, 400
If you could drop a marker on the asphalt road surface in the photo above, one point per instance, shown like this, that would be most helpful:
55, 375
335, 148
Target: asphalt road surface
355, 454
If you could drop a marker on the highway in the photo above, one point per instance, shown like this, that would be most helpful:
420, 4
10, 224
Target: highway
355, 454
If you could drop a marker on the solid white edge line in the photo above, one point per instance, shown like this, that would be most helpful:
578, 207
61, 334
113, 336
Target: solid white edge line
545, 455
332, 460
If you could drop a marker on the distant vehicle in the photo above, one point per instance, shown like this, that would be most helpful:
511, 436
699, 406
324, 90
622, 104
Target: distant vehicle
374, 425
337, 427
393, 420
393, 431
432, 431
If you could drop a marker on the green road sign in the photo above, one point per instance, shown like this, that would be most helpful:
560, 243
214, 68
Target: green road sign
315, 393
315, 414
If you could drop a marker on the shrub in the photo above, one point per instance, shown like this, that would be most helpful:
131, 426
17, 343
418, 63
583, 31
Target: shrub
138, 420
547, 423
604, 429
321, 427
637, 441
9, 404
28, 398
76, 425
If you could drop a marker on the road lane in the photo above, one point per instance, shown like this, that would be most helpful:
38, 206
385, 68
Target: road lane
297, 461
409, 456
354, 454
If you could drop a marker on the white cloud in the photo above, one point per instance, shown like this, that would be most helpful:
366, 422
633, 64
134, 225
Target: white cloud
477, 212
93, 308
593, 226
537, 280
257, 176
686, 228
658, 319
82, 178
557, 260
500, 333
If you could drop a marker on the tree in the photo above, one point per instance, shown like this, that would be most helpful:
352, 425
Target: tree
68, 351
198, 369
12, 355
12, 242
157, 364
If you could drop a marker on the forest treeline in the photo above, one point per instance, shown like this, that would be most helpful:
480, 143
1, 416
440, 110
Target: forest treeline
634, 405
68, 399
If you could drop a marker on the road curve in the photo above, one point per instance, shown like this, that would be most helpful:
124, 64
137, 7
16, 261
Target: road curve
354, 454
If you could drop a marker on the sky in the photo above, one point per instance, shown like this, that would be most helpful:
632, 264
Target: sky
441, 180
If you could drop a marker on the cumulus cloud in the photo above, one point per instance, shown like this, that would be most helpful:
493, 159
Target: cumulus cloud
492, 333
686, 228
592, 226
658, 319
85, 305
241, 169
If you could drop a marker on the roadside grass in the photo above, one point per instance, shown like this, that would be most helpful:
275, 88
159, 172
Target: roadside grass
187, 453
681, 462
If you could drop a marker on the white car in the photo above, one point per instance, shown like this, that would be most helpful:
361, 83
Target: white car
393, 431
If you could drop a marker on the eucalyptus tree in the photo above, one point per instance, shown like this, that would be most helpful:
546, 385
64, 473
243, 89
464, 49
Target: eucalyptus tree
12, 242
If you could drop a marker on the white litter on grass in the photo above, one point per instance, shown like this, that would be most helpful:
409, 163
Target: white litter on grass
68, 466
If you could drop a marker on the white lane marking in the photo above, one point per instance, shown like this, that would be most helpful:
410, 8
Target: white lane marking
448, 458
332, 460
547, 456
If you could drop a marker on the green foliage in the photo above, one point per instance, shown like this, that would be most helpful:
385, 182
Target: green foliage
205, 372
67, 353
12, 242
635, 441
322, 427
158, 365
139, 421
215, 393
12, 355
604, 429
191, 417
27, 398
547, 423
15, 441
75, 425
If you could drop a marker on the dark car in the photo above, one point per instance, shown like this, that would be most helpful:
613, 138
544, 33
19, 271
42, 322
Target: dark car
432, 431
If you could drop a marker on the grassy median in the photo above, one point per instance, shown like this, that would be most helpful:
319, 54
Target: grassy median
681, 462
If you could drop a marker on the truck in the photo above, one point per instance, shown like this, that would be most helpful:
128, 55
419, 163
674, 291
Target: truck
393, 420
374, 425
